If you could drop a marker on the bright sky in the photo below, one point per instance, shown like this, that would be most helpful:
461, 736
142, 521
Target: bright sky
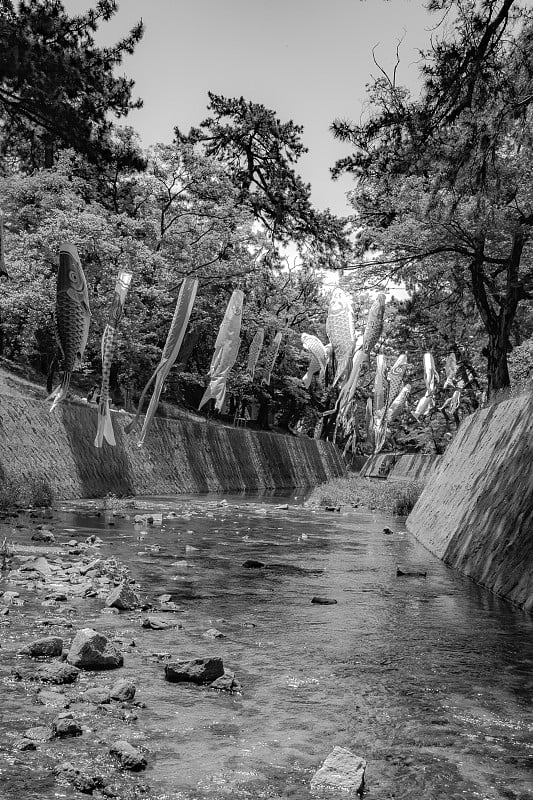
308, 60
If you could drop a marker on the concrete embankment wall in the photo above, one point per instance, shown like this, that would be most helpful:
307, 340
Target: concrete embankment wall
177, 457
405, 467
476, 510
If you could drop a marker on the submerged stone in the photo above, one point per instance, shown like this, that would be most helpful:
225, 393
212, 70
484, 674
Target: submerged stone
123, 690
123, 597
324, 601
57, 672
128, 756
342, 770
47, 646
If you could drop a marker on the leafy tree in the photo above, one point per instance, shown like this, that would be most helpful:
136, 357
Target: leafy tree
57, 88
259, 153
443, 188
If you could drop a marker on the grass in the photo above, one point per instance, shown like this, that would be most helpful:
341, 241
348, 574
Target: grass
390, 497
20, 490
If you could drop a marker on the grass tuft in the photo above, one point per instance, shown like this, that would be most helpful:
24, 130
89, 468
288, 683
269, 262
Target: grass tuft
21, 490
390, 497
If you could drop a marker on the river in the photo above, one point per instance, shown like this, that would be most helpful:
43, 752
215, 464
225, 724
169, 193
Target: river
429, 678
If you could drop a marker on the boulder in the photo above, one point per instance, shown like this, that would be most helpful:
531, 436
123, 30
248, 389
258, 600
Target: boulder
324, 601
43, 536
342, 770
252, 563
158, 623
123, 597
128, 756
213, 633
197, 670
39, 734
47, 646
226, 683
93, 650
24, 744
123, 690
56, 699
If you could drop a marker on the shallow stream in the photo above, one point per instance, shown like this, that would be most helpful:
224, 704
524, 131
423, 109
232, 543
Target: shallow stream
429, 678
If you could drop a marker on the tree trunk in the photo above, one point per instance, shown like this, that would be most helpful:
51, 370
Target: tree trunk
497, 368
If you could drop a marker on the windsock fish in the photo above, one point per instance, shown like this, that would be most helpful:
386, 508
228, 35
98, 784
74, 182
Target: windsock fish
431, 378
379, 383
271, 357
398, 404
226, 349
72, 316
451, 371
105, 425
373, 330
176, 333
395, 378
3, 271
255, 349
319, 358
340, 329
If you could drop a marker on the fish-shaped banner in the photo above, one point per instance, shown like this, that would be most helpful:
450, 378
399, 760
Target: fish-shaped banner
105, 425
395, 377
341, 330
371, 335
271, 357
255, 349
450, 368
72, 316
226, 350
319, 358
399, 403
431, 378
379, 382
178, 327
3, 271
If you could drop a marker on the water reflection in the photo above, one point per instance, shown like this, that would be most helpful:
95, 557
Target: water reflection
429, 678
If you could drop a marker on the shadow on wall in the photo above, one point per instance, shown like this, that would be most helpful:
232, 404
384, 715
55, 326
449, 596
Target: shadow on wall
107, 466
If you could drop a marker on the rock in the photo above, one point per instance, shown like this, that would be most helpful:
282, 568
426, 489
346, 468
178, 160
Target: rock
128, 757
49, 697
93, 650
109, 611
164, 598
91, 565
43, 536
388, 531
123, 597
24, 744
64, 727
158, 624
96, 695
39, 734
9, 597
251, 563
4, 612
402, 572
197, 670
332, 508
324, 601
80, 780
57, 672
48, 621
48, 646
39, 565
283, 507
342, 770
226, 683
213, 633
123, 690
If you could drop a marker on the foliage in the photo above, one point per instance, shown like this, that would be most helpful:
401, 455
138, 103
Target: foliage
389, 497
259, 153
521, 363
443, 192
25, 490
57, 88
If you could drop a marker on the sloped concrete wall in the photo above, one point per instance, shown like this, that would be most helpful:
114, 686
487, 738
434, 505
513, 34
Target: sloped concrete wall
414, 467
178, 456
476, 509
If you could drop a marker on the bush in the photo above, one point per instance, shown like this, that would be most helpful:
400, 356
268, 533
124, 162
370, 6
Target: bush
20, 490
390, 497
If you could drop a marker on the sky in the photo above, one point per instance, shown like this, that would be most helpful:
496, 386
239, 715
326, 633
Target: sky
308, 60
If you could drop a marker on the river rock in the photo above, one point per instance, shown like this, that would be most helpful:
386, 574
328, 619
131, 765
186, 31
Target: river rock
93, 650
197, 670
213, 633
252, 563
64, 727
409, 573
49, 697
39, 565
123, 597
40, 733
158, 623
10, 597
342, 770
123, 690
324, 601
43, 536
57, 672
24, 744
226, 683
97, 695
48, 621
128, 756
47, 646
80, 780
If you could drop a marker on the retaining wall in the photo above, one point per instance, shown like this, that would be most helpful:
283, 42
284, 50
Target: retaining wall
476, 509
177, 457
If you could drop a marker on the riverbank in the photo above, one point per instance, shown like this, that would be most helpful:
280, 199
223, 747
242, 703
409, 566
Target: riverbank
388, 497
